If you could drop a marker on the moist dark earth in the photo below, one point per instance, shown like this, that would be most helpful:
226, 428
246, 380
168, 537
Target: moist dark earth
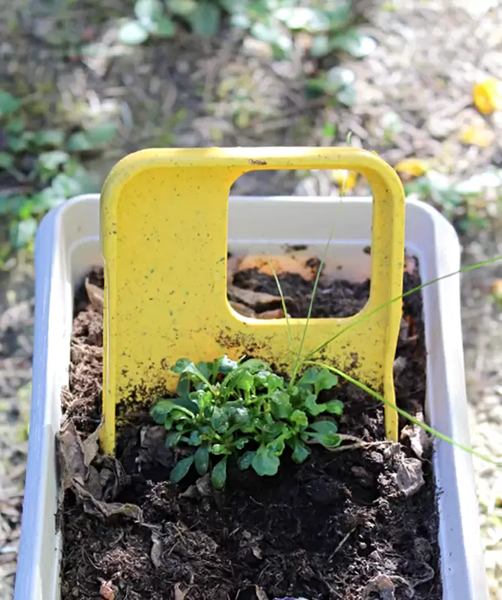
340, 526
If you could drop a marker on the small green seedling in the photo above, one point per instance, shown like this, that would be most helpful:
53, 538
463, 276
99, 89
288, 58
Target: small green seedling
244, 411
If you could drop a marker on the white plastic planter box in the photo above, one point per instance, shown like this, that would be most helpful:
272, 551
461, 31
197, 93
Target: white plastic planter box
68, 245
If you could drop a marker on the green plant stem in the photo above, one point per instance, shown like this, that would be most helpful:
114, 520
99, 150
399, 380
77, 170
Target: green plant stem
403, 413
285, 310
297, 363
408, 293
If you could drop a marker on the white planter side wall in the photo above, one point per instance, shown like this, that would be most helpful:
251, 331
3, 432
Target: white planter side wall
67, 246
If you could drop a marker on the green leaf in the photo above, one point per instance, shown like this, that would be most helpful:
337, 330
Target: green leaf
246, 460
191, 371
240, 443
299, 418
313, 20
8, 103
181, 365
51, 161
347, 96
86, 182
15, 125
321, 379
160, 411
254, 365
219, 419
173, 438
274, 430
309, 377
233, 7
335, 407
276, 447
65, 186
45, 200
300, 450
101, 134
132, 34
355, 44
240, 416
268, 33
79, 142
183, 387
225, 365
312, 407
265, 462
6, 160
219, 474
240, 20
340, 17
148, 12
165, 407
202, 460
282, 47
182, 7
194, 438
53, 138
22, 233
218, 449
273, 382
280, 405
324, 426
164, 28
325, 381
315, 87
325, 433
206, 368
205, 19
330, 130
244, 381
17, 143
181, 469
321, 46
338, 78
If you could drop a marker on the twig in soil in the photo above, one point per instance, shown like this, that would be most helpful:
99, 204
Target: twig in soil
256, 501
342, 542
330, 588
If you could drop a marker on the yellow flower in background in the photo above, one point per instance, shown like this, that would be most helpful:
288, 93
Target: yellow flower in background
475, 136
412, 167
487, 96
346, 180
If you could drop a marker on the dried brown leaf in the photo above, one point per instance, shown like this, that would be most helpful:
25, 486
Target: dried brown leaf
255, 300
105, 510
409, 476
233, 263
112, 477
108, 590
381, 585
71, 456
91, 446
178, 593
153, 446
280, 264
156, 551
204, 487
96, 296
278, 313
420, 441
243, 310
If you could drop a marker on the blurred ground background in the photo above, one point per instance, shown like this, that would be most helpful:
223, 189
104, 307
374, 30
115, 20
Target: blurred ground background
84, 82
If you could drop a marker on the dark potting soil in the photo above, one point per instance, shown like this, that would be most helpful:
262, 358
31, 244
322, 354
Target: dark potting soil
348, 524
